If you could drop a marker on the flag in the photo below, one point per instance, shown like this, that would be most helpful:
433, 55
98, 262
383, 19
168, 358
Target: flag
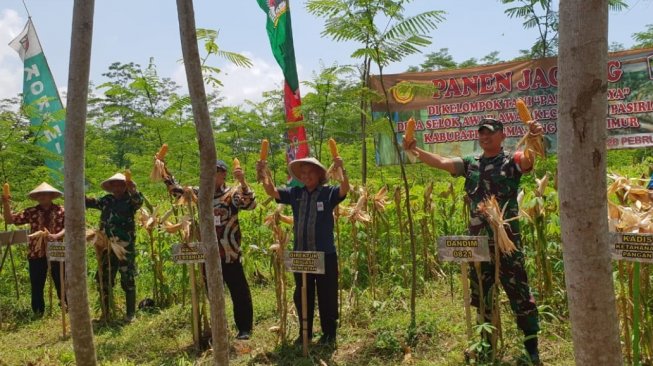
280, 33
41, 99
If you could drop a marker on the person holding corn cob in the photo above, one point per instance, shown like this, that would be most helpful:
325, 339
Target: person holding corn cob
227, 202
495, 173
118, 208
48, 218
312, 206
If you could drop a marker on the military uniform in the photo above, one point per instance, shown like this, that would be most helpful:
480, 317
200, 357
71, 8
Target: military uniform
499, 176
117, 221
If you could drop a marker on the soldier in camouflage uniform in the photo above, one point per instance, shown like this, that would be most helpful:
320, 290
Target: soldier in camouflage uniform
497, 173
117, 221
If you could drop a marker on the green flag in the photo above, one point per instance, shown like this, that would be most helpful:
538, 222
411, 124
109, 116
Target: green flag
41, 99
280, 33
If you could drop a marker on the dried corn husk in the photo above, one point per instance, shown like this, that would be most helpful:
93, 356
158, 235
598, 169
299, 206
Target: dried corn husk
159, 171
40, 239
358, 213
182, 227
276, 217
101, 242
494, 216
533, 144
263, 176
380, 199
187, 197
541, 185
334, 173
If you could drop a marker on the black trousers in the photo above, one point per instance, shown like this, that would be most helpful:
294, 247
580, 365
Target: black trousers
327, 297
233, 276
38, 273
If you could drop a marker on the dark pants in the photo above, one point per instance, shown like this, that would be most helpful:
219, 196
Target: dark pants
109, 269
327, 297
514, 280
233, 276
38, 273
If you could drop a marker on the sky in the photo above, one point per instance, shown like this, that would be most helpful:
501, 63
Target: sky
136, 30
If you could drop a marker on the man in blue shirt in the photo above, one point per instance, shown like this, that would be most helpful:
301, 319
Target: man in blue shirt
312, 207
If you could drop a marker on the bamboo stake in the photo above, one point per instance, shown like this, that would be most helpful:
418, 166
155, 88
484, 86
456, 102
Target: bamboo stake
636, 313
193, 290
304, 315
464, 267
62, 297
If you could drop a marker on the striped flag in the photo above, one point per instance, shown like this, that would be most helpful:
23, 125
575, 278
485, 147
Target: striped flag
280, 33
41, 100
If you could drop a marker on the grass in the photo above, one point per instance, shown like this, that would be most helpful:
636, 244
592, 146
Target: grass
373, 334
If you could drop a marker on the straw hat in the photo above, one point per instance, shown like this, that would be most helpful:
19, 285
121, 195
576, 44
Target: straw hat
44, 188
116, 177
295, 166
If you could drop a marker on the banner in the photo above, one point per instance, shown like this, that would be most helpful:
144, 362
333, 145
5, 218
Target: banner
41, 99
280, 33
447, 120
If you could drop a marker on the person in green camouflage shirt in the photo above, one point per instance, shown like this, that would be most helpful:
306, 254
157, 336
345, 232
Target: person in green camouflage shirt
117, 222
495, 172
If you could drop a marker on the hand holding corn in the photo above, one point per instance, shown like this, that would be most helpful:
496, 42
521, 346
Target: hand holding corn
238, 173
131, 186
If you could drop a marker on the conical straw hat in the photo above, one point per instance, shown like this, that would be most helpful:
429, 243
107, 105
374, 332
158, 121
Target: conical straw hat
116, 177
44, 188
295, 166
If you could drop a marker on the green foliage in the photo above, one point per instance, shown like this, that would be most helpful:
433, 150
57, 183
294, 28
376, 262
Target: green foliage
644, 39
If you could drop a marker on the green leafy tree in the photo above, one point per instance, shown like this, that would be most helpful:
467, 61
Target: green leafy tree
644, 39
542, 15
384, 36
329, 108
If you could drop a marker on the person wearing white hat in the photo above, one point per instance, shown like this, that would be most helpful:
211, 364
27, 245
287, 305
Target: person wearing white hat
118, 208
46, 215
312, 207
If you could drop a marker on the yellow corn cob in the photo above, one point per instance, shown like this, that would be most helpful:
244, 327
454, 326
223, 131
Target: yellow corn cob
5, 190
128, 175
410, 130
236, 163
162, 152
264, 149
522, 109
333, 147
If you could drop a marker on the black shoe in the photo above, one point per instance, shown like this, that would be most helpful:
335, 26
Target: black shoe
243, 335
327, 340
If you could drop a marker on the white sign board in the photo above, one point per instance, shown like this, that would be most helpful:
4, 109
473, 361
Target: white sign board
632, 247
56, 251
304, 262
188, 253
462, 248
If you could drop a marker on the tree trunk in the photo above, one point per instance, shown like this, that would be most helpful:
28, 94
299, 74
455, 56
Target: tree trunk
207, 181
74, 205
582, 172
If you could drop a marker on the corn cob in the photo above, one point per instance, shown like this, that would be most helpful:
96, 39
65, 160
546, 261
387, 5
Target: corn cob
533, 144
236, 163
162, 152
410, 130
264, 149
522, 109
333, 147
5, 190
128, 175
